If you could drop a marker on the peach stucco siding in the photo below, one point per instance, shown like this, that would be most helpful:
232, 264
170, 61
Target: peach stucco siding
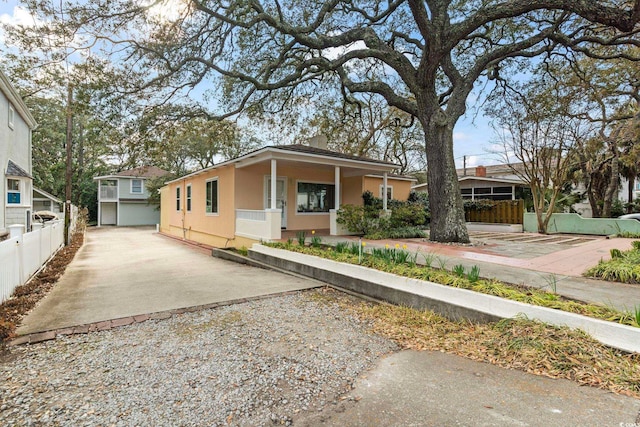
401, 188
211, 228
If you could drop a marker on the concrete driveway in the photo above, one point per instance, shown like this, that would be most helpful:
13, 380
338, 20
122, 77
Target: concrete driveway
122, 272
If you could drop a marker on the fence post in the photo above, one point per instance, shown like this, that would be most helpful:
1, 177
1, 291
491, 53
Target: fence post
16, 231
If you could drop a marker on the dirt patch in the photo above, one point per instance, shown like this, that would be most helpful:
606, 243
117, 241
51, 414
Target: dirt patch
25, 297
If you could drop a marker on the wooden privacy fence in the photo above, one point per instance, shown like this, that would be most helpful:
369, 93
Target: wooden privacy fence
495, 211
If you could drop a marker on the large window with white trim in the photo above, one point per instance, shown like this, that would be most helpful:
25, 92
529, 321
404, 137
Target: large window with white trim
212, 196
13, 191
314, 197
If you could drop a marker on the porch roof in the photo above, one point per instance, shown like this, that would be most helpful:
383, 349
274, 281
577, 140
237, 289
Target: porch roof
318, 157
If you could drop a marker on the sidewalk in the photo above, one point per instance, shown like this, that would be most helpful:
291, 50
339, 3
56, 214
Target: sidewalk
561, 268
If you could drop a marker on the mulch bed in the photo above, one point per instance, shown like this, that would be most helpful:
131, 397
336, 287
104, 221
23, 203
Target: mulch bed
25, 297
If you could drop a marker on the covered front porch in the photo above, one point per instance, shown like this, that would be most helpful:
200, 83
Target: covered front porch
281, 191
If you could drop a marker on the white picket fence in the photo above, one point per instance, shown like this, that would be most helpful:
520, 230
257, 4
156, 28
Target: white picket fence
22, 256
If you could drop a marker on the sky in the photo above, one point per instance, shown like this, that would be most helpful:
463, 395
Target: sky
472, 135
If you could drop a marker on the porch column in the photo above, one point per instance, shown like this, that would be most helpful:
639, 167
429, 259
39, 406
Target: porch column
384, 191
337, 186
513, 192
274, 181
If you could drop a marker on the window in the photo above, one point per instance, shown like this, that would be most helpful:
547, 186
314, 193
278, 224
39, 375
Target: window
136, 186
178, 198
12, 114
212, 196
389, 192
638, 185
13, 191
313, 198
189, 198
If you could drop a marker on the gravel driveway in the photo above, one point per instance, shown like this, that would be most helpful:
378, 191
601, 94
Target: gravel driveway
259, 363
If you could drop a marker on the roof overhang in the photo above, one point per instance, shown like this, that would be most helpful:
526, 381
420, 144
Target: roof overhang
395, 177
349, 166
46, 195
14, 97
487, 179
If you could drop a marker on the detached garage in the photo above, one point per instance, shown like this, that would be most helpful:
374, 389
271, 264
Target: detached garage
123, 198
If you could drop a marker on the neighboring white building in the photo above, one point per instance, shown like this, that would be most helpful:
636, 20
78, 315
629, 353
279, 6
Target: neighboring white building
123, 197
43, 201
623, 193
16, 125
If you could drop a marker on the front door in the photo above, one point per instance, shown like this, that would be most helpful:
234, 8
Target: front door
281, 197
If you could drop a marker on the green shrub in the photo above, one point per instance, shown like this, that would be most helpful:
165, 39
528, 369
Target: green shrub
397, 233
628, 235
360, 219
635, 245
408, 215
622, 267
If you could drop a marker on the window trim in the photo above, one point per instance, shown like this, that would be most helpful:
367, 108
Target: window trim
298, 181
11, 116
178, 199
206, 190
19, 192
389, 187
188, 195
141, 185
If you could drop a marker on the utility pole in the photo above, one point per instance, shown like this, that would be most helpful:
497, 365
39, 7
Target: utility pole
464, 165
67, 204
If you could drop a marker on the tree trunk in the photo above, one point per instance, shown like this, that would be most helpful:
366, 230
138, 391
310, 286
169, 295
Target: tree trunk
538, 206
611, 188
447, 211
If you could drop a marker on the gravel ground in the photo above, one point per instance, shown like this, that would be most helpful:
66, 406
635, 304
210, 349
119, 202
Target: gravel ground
266, 362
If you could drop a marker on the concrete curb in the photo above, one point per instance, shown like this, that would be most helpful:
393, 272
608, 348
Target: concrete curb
105, 325
453, 303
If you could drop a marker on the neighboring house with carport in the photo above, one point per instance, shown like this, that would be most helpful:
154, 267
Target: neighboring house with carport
16, 126
258, 195
497, 182
123, 197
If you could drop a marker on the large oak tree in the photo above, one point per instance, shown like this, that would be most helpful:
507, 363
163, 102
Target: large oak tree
422, 57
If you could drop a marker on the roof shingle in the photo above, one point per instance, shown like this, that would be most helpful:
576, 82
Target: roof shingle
15, 170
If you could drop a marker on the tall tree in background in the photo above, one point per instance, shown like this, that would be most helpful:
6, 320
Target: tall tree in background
541, 138
371, 129
421, 57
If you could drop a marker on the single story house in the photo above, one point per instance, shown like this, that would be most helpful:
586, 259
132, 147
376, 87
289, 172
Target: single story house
256, 196
123, 197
